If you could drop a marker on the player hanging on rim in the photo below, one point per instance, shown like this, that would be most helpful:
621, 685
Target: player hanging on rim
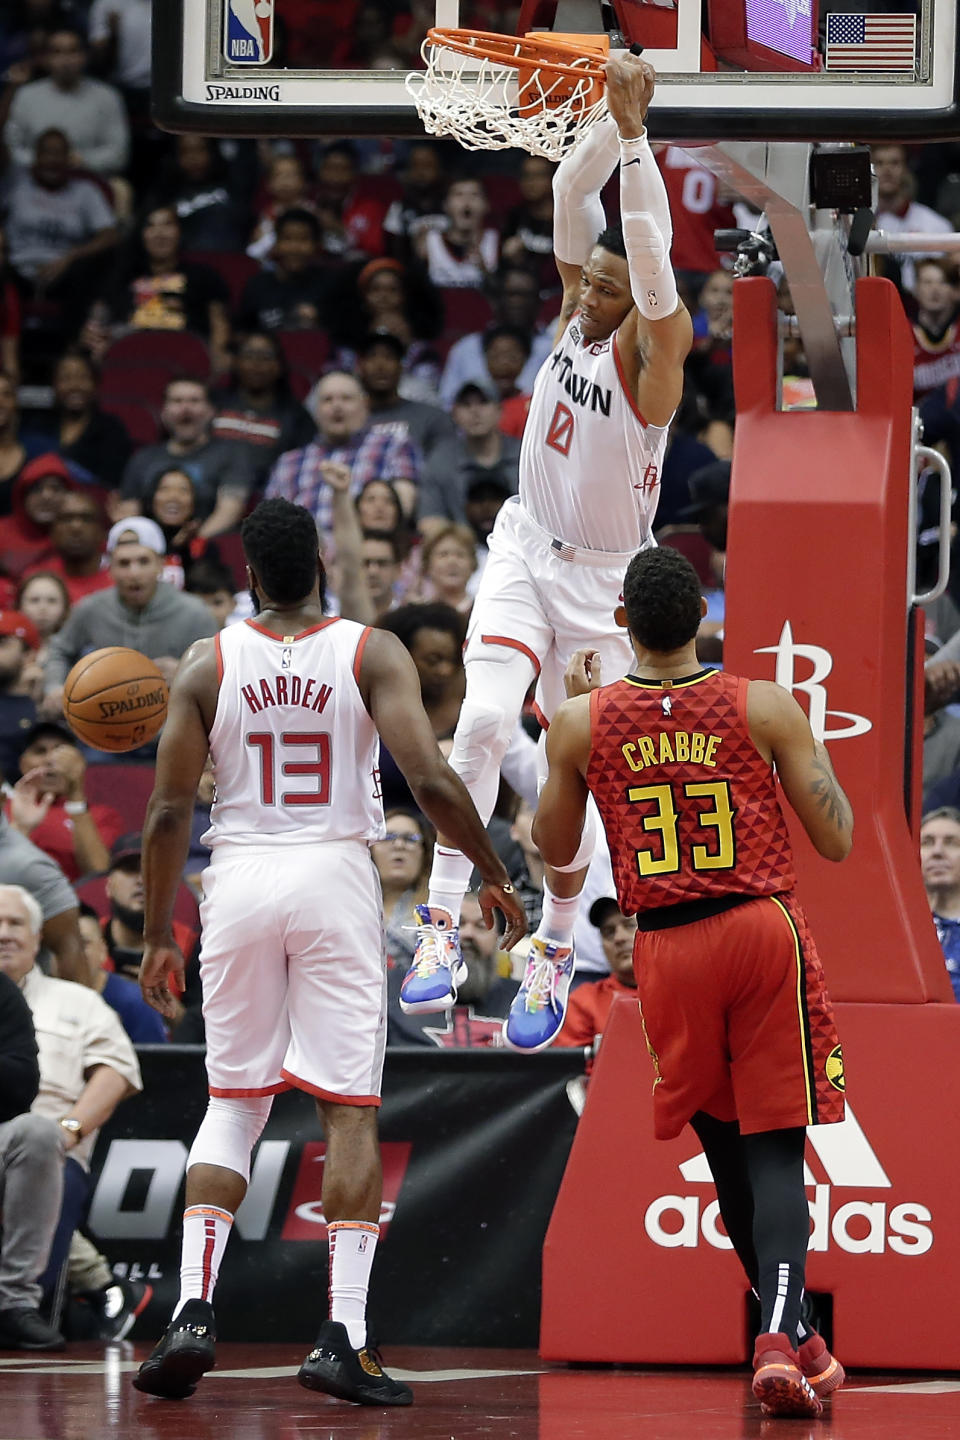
680, 761
589, 483
294, 984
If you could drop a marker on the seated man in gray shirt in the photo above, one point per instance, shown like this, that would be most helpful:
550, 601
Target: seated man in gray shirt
140, 611
222, 471
479, 451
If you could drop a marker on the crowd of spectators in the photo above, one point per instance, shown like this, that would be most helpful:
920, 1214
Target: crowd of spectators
188, 325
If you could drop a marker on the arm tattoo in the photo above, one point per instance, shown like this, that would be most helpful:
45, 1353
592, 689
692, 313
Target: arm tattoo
826, 788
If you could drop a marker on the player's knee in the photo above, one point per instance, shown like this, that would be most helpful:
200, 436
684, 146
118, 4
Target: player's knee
230, 1129
483, 735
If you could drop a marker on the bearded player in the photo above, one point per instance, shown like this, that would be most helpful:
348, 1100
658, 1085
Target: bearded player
589, 483
680, 761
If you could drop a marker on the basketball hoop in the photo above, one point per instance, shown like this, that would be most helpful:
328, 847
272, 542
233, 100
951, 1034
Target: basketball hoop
494, 92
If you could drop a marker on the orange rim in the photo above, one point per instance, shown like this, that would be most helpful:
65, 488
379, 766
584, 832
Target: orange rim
519, 51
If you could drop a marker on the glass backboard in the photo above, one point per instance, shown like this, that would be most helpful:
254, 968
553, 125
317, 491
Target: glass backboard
728, 69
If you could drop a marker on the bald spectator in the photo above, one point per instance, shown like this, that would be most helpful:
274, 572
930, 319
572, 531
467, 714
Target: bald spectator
345, 436
88, 111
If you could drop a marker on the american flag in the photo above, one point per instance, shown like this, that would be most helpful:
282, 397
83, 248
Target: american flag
871, 42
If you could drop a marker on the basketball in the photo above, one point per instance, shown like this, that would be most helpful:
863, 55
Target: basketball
115, 699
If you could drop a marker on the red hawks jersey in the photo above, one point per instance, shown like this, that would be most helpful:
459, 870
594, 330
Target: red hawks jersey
689, 805
935, 362
295, 752
589, 462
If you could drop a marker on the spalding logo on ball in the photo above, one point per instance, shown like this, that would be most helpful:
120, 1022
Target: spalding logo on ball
115, 699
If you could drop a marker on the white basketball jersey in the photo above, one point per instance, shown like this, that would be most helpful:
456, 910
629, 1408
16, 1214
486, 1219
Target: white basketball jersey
295, 752
589, 463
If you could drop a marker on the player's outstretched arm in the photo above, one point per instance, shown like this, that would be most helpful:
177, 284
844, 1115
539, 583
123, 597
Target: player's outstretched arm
182, 754
578, 216
390, 688
656, 337
782, 731
558, 823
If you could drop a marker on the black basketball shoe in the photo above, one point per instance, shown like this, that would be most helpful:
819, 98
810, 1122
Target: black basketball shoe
334, 1367
184, 1354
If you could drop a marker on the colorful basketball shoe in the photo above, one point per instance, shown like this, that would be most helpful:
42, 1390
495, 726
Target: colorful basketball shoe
540, 1005
778, 1382
430, 985
822, 1370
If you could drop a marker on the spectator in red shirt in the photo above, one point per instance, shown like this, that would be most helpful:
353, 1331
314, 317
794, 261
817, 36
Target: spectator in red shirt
25, 535
49, 805
79, 534
590, 1003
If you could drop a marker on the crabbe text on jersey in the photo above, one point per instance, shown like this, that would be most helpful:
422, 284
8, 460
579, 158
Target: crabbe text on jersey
582, 390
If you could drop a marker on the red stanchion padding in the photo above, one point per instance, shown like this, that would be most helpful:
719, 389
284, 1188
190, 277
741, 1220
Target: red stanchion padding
817, 599
636, 1265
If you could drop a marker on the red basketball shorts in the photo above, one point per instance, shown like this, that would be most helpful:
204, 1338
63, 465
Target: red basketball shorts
738, 1020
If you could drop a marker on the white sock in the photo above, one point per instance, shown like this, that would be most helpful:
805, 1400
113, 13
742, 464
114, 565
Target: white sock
206, 1230
558, 917
449, 879
352, 1246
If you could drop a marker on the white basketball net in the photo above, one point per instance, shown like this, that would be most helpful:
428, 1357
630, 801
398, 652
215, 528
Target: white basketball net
477, 101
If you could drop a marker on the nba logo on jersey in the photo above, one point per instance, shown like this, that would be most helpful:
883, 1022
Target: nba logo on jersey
248, 32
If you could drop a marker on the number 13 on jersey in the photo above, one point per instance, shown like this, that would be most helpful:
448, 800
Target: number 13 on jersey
317, 765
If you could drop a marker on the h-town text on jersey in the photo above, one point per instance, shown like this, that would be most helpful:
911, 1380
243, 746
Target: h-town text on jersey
581, 389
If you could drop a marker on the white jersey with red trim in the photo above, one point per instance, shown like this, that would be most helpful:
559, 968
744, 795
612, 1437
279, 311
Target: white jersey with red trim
589, 463
295, 752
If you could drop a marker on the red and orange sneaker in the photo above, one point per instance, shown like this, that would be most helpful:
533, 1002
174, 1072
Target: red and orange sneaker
822, 1370
778, 1382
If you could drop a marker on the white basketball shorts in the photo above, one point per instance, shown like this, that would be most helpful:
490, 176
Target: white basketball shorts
533, 599
293, 971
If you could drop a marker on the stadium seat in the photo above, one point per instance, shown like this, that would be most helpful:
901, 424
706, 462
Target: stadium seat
690, 541
465, 310
138, 418
231, 554
234, 268
177, 352
126, 788
306, 353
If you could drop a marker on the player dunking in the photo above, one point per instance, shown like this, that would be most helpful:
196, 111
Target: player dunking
680, 762
589, 482
294, 985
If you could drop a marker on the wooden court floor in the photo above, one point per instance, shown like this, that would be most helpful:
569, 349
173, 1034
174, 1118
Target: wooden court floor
86, 1394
